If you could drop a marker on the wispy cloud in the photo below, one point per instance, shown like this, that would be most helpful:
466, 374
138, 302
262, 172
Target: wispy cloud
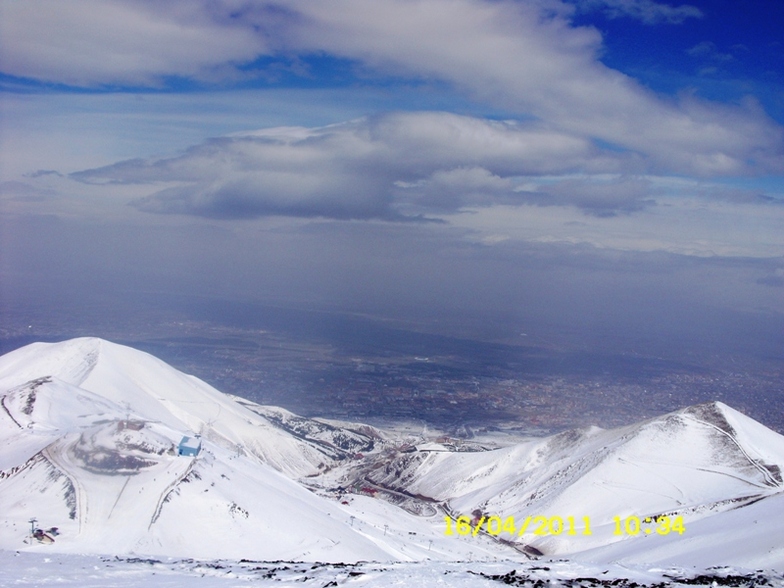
709, 50
646, 11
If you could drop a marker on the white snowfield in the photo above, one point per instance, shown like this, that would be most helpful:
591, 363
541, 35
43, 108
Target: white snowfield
707, 464
72, 458
89, 433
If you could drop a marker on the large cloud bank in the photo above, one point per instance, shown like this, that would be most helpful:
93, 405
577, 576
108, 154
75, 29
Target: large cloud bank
526, 57
396, 167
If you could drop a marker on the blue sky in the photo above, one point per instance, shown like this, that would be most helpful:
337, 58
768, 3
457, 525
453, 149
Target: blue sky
732, 50
403, 158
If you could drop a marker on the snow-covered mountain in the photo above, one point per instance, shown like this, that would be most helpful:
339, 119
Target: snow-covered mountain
139, 384
89, 432
695, 463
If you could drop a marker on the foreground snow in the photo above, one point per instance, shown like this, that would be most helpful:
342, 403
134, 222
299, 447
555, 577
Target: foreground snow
37, 569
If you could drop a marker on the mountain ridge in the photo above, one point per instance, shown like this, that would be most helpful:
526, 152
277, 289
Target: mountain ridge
92, 430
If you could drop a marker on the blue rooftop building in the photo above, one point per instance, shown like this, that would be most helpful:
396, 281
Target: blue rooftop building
189, 446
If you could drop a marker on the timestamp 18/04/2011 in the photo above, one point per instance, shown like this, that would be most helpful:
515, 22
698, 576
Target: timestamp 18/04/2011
556, 525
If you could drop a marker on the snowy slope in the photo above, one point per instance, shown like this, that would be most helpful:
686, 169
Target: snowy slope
695, 463
84, 571
144, 385
751, 536
114, 485
89, 431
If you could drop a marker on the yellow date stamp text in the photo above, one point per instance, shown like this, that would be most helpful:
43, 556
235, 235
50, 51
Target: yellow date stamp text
555, 525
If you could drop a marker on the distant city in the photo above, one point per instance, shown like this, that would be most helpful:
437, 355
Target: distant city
358, 370
448, 397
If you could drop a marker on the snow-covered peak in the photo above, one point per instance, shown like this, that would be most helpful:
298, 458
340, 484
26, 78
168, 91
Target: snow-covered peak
91, 434
138, 384
70, 361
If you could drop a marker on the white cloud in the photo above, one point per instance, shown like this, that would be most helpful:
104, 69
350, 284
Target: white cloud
100, 42
526, 57
516, 55
400, 166
378, 167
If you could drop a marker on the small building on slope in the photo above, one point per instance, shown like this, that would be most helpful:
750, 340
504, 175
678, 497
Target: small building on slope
189, 446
